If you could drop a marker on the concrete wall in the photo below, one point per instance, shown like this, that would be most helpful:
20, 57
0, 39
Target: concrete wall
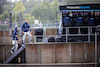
33, 53
77, 52
57, 53
47, 53
60, 53
5, 50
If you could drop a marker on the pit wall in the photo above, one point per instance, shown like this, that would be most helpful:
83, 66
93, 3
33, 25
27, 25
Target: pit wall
53, 53
61, 53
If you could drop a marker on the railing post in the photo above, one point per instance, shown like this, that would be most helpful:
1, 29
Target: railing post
43, 35
88, 34
96, 49
20, 22
79, 30
30, 37
3, 56
4, 37
10, 33
66, 34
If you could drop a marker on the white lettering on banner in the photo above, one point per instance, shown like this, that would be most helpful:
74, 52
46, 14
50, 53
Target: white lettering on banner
73, 7
78, 7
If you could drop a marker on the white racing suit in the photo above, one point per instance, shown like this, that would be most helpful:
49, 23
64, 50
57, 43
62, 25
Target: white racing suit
15, 46
24, 36
26, 29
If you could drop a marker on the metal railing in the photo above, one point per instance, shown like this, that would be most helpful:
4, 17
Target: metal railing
67, 33
5, 53
3, 27
89, 33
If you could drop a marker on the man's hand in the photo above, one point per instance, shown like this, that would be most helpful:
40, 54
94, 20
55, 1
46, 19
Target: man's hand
16, 36
23, 32
31, 32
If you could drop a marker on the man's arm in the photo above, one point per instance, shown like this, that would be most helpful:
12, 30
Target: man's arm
15, 35
29, 28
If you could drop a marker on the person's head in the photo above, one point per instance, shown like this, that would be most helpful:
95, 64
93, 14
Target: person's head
26, 21
16, 25
16, 28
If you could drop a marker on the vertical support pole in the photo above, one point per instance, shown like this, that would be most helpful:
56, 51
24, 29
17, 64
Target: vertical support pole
10, 19
15, 17
20, 22
60, 25
79, 30
29, 37
10, 30
43, 35
4, 37
67, 34
88, 34
56, 22
3, 56
95, 49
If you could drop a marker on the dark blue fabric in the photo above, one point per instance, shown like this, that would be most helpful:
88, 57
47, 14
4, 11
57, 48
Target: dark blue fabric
99, 21
91, 21
26, 27
14, 34
79, 21
67, 21
85, 23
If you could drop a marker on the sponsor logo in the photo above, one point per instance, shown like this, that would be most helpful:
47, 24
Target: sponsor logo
73, 7
78, 7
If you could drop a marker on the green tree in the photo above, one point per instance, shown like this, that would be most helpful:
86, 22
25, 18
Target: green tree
19, 7
8, 7
31, 19
5, 14
45, 11
54, 6
2, 3
1, 17
29, 5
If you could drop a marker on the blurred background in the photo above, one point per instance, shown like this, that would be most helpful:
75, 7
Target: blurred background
45, 12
